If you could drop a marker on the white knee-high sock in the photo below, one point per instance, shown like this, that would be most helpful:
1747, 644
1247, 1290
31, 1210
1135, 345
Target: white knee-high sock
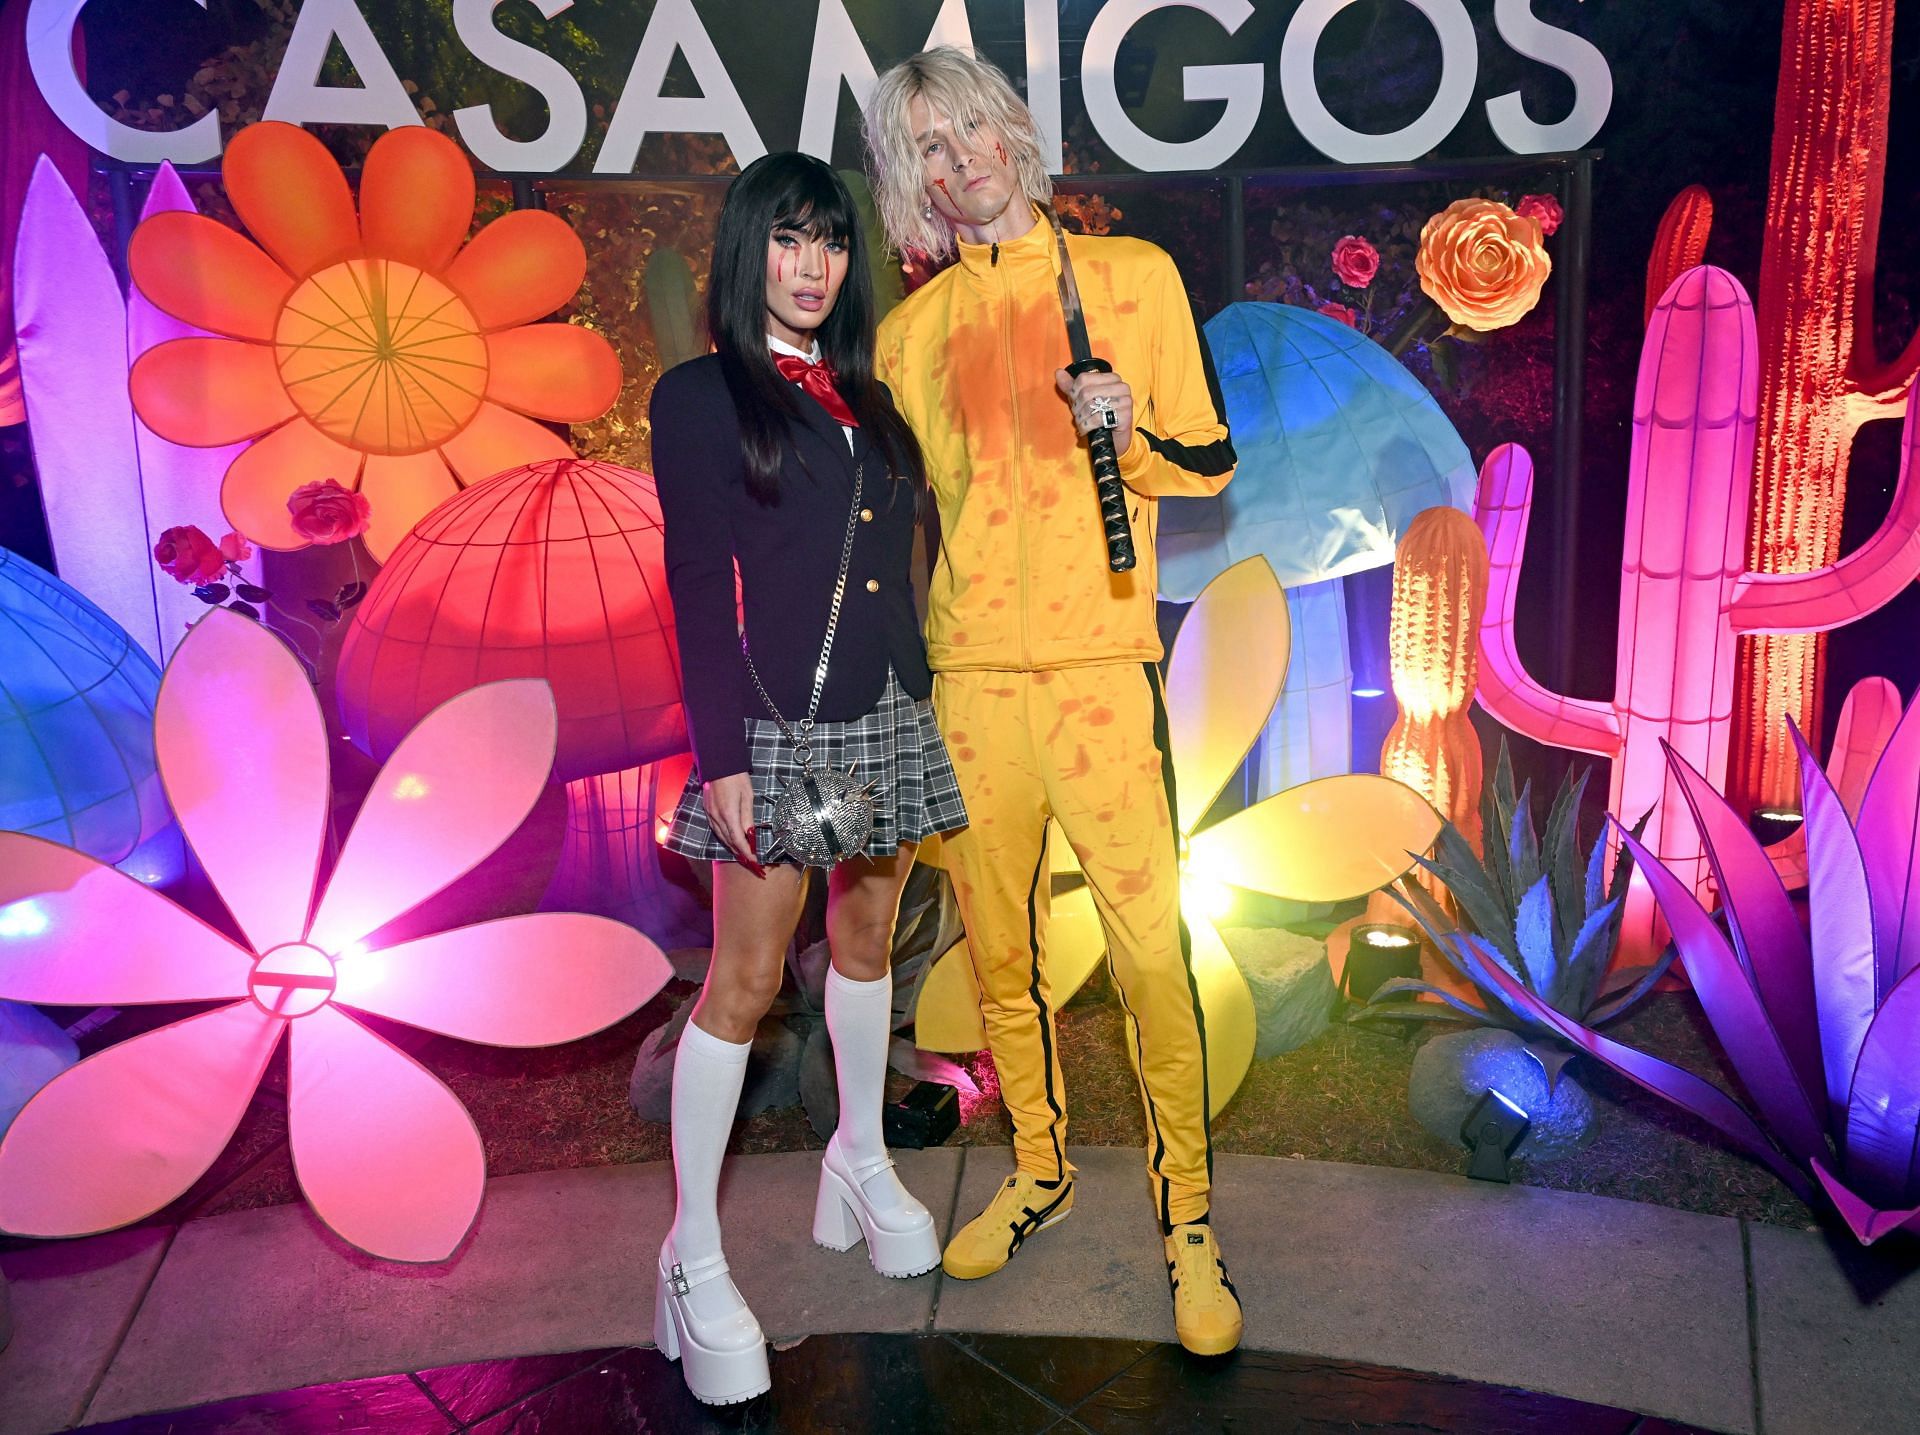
860, 1022
707, 1075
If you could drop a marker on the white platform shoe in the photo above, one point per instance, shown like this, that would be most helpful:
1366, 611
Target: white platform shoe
867, 1202
701, 1320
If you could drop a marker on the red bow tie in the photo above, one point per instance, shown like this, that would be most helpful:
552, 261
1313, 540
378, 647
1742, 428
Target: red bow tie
818, 380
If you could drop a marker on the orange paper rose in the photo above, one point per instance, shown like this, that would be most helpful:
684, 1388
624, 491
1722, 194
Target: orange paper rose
383, 349
325, 512
1482, 264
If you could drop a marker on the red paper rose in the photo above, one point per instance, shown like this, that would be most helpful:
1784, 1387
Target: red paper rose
325, 512
189, 556
1345, 315
1543, 207
1355, 262
235, 549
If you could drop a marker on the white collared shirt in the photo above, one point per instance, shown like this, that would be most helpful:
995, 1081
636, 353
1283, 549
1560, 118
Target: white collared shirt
781, 346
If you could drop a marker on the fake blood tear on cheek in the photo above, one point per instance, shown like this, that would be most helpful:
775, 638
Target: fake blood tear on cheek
1000, 150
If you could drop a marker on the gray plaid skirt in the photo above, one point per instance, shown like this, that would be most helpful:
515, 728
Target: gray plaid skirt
916, 794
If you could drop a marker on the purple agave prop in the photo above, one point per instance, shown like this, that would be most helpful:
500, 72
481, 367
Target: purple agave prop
1822, 1023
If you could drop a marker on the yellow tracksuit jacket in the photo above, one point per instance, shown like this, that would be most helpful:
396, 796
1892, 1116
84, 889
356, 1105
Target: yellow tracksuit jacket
1045, 683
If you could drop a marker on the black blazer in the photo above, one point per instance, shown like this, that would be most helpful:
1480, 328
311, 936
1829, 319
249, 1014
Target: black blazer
789, 556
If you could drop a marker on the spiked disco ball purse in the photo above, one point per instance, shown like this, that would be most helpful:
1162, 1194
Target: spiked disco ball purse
822, 816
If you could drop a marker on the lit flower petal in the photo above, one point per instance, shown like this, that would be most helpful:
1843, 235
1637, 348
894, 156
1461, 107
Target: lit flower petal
243, 752
259, 482
206, 392
560, 372
386, 1154
1075, 944
416, 197
520, 268
453, 791
946, 1015
1229, 660
291, 195
499, 439
402, 490
76, 932
200, 271
1322, 841
534, 980
1227, 1007
128, 1130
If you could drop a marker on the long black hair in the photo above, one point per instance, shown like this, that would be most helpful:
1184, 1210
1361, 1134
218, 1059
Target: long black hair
797, 192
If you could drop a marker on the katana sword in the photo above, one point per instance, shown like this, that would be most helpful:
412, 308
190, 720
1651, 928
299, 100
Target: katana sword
1106, 463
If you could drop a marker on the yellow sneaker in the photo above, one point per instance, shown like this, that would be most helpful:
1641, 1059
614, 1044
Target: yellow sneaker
1019, 1208
1206, 1310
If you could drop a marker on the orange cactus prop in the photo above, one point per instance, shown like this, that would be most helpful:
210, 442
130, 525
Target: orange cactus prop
381, 350
1680, 243
1440, 575
1820, 377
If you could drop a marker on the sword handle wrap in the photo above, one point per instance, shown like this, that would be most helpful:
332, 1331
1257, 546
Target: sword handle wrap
1106, 482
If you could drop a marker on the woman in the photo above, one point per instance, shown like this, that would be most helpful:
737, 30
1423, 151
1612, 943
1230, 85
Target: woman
781, 453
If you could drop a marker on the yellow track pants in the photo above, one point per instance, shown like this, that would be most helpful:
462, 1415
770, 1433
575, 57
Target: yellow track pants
1087, 746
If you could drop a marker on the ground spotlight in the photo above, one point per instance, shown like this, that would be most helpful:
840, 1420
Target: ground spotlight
1493, 1130
1376, 953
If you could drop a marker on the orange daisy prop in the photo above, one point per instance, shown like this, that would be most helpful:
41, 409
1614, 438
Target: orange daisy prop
381, 350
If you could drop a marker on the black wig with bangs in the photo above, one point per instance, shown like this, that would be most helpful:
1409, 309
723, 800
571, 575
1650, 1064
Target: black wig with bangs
797, 192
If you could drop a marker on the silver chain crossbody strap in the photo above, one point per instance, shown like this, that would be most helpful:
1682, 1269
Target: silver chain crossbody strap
821, 817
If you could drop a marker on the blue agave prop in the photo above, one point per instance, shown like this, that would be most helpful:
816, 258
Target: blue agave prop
1543, 912
1822, 1024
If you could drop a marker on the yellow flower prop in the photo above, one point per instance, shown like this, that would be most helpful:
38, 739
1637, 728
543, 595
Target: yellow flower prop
1482, 264
382, 350
1324, 841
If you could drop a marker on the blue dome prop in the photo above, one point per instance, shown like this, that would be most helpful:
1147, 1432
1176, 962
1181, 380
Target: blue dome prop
1339, 448
76, 728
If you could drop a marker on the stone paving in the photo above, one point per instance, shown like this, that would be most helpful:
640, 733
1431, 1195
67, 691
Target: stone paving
1713, 1323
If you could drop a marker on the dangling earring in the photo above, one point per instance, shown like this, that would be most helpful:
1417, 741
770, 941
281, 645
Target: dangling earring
926, 210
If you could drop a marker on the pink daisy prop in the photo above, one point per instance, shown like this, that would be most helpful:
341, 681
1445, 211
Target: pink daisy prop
385, 1153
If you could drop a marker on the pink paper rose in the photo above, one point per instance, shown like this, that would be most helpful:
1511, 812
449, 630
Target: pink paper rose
1543, 207
1355, 262
325, 512
1341, 312
235, 549
188, 556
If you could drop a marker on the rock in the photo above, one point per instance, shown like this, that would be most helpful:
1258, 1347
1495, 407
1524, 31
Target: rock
1293, 992
773, 1069
1452, 1072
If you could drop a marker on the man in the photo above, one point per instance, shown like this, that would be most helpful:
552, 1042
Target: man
1046, 679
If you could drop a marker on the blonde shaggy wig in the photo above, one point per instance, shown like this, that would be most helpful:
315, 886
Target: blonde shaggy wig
959, 86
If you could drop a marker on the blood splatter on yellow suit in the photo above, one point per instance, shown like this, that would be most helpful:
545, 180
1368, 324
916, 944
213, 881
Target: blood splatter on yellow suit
1046, 683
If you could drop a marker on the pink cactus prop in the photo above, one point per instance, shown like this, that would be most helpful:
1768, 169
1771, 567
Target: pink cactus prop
386, 1154
1685, 593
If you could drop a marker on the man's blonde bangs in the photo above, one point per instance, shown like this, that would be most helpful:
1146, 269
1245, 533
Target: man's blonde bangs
960, 87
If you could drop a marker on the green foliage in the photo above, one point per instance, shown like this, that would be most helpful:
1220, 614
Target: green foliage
673, 304
1538, 903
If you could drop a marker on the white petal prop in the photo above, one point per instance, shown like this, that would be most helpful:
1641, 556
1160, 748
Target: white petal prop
1322, 841
386, 1154
76, 932
72, 326
243, 754
1229, 661
126, 1131
533, 980
453, 791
